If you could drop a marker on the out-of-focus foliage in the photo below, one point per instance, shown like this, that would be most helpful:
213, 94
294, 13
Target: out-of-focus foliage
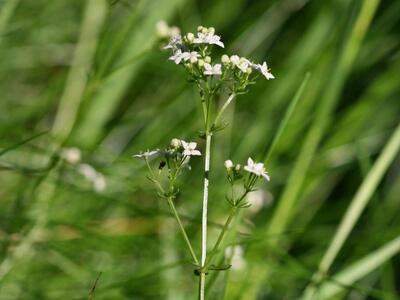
91, 74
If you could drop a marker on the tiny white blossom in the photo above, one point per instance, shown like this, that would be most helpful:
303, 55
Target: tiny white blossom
228, 164
147, 154
71, 155
178, 56
208, 38
174, 31
264, 70
174, 42
235, 59
99, 183
189, 149
256, 168
243, 65
212, 70
192, 56
96, 178
162, 29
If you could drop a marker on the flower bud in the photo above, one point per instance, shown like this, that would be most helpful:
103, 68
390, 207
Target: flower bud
228, 164
200, 28
249, 70
193, 60
200, 62
207, 59
174, 31
237, 168
71, 155
175, 143
235, 59
190, 37
204, 30
162, 29
225, 59
211, 30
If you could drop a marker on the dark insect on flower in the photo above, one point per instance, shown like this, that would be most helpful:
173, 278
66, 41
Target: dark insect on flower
162, 165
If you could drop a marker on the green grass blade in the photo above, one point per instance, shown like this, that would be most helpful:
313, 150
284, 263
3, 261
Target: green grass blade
357, 206
286, 118
359, 269
76, 82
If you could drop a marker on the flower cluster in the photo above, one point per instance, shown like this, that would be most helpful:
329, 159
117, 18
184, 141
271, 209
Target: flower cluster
256, 170
174, 159
194, 52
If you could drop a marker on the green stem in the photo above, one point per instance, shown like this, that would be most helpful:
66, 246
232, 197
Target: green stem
221, 235
183, 231
204, 218
223, 108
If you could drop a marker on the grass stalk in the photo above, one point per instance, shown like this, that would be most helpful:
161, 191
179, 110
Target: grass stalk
356, 208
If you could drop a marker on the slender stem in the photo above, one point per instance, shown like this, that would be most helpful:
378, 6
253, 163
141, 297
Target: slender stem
223, 108
222, 234
204, 217
183, 231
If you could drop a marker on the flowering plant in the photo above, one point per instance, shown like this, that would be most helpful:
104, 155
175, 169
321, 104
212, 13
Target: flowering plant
232, 75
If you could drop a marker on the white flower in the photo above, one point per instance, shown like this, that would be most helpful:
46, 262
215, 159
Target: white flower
256, 168
147, 153
189, 149
228, 164
174, 31
178, 56
99, 183
163, 30
264, 70
96, 178
235, 59
88, 171
192, 56
208, 38
242, 63
71, 155
174, 42
212, 70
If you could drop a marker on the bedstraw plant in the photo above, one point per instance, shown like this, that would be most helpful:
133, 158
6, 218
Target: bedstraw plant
230, 76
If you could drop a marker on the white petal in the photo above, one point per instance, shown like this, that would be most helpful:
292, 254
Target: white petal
265, 175
250, 162
196, 152
192, 145
187, 152
185, 145
248, 169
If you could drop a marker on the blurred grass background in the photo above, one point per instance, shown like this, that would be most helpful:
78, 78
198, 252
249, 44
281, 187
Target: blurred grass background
91, 74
